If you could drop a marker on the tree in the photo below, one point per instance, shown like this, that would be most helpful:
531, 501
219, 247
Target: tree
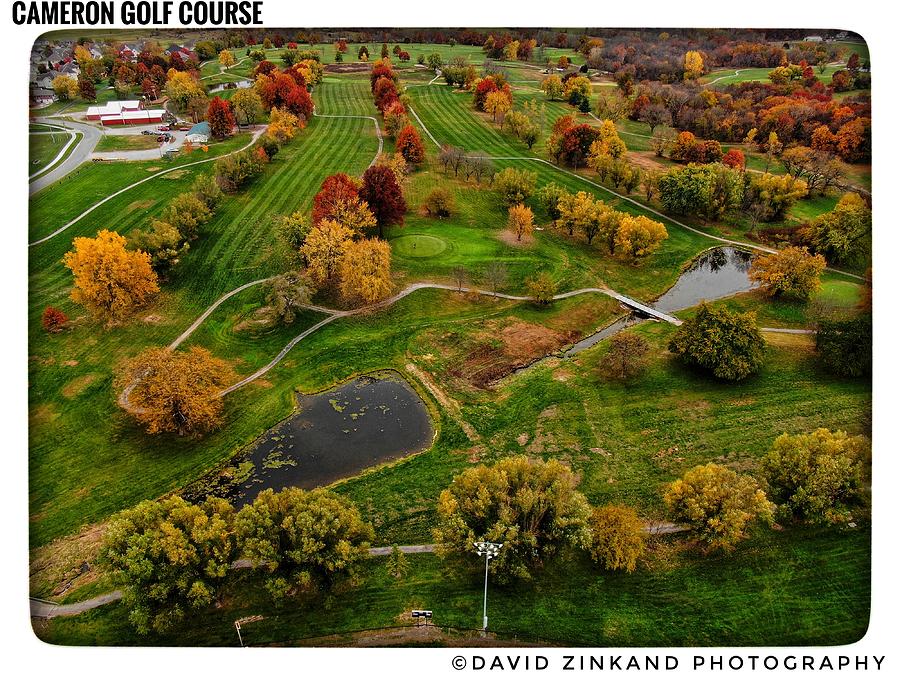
655, 115
728, 344
845, 346
226, 59
532, 507
791, 271
53, 320
323, 250
709, 191
220, 119
233, 171
617, 537
577, 89
110, 281
639, 236
182, 88
303, 540
409, 145
844, 235
818, 168
282, 125
460, 275
435, 61
354, 214
286, 294
382, 193
775, 194
335, 189
247, 105
164, 243
495, 275
717, 503
497, 104
515, 185
65, 87
549, 197
734, 159
541, 288
293, 230
397, 564
552, 86
172, 391
693, 65
363, 53
439, 203
187, 212
207, 190
365, 271
817, 477
626, 356
171, 557
86, 89
395, 119
520, 220
576, 143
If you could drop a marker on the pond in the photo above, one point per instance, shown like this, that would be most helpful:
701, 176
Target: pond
239, 84
718, 273
335, 434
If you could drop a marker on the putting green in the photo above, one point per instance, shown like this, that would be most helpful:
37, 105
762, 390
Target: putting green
418, 246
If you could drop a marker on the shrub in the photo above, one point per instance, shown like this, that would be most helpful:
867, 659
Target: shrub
53, 320
439, 203
617, 537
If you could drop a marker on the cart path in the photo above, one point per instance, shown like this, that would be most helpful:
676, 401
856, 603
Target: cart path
256, 134
47, 609
90, 136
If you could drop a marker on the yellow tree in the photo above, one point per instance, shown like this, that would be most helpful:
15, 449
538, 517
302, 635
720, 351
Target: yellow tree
323, 250
497, 104
110, 281
282, 125
226, 58
607, 145
693, 65
521, 220
65, 87
552, 86
365, 271
354, 214
171, 391
790, 271
617, 537
638, 236
182, 87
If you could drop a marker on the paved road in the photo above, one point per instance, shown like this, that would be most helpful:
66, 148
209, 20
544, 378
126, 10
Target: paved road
81, 153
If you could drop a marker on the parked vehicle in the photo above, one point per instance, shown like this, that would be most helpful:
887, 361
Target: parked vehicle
163, 127
148, 132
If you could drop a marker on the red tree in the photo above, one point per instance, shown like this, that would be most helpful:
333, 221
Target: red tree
300, 102
263, 68
734, 158
576, 143
409, 144
220, 118
482, 89
385, 93
384, 196
336, 188
381, 69
53, 320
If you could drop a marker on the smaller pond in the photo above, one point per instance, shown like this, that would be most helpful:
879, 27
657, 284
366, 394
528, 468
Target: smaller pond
718, 273
333, 435
239, 84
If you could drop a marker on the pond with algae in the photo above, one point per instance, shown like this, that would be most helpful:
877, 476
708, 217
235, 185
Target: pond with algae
335, 434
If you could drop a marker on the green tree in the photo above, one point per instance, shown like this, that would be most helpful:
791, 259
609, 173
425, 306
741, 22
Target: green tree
292, 231
541, 288
529, 506
397, 564
171, 557
728, 344
286, 295
163, 242
617, 537
717, 503
515, 185
303, 540
817, 477
845, 346
709, 191
844, 235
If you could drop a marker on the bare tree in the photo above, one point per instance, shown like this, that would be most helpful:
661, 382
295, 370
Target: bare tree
495, 275
459, 276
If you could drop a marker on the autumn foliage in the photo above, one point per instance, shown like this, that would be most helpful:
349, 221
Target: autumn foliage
110, 281
335, 189
383, 195
53, 320
220, 118
409, 144
173, 391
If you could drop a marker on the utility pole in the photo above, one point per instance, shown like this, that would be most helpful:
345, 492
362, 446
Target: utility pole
488, 550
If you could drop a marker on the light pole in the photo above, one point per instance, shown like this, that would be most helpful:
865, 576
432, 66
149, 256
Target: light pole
489, 550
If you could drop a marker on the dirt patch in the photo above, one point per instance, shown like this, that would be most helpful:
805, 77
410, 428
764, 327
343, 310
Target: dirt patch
43, 414
175, 175
414, 635
70, 363
645, 160
78, 385
58, 568
141, 204
509, 238
152, 318
154, 169
348, 67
